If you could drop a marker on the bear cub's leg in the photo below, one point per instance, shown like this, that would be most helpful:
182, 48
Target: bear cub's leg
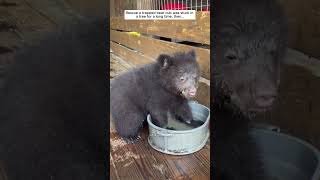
128, 124
183, 113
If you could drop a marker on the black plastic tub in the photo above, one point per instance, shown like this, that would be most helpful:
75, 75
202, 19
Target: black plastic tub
286, 157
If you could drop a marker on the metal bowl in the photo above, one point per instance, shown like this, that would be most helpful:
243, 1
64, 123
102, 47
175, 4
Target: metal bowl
286, 157
181, 142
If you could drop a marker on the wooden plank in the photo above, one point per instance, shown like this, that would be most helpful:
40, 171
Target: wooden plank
151, 47
112, 10
192, 30
140, 161
118, 65
113, 171
129, 55
302, 60
203, 94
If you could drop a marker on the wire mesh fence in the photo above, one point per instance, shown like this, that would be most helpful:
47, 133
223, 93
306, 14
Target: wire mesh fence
117, 7
198, 5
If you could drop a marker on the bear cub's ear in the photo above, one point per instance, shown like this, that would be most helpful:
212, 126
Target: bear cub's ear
164, 60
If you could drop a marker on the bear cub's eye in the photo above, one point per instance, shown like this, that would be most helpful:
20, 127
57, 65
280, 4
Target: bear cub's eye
182, 79
231, 57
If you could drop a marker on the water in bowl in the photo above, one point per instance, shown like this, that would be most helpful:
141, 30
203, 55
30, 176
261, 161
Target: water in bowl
177, 125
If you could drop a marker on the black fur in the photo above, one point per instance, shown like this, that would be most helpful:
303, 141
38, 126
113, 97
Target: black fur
53, 112
250, 41
154, 88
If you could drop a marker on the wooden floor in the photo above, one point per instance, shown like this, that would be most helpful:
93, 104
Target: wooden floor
140, 161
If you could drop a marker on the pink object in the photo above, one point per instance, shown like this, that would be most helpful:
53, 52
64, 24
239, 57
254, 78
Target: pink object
206, 9
174, 6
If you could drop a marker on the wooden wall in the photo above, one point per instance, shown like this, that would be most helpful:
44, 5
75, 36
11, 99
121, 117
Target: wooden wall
144, 48
117, 7
304, 25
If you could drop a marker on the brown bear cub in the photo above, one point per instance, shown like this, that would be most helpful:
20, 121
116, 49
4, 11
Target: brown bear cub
159, 89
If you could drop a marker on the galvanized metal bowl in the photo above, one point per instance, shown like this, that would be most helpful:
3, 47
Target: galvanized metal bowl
181, 142
286, 157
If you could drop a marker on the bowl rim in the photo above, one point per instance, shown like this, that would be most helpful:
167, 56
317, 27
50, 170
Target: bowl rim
203, 143
181, 131
316, 152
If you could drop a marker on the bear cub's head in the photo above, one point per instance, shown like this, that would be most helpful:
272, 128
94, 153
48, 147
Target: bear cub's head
180, 73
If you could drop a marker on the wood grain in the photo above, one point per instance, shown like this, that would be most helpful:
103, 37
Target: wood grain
191, 30
203, 94
151, 48
140, 161
129, 55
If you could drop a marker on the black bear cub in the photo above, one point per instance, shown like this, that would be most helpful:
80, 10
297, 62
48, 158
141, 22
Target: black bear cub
53, 107
250, 42
159, 89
